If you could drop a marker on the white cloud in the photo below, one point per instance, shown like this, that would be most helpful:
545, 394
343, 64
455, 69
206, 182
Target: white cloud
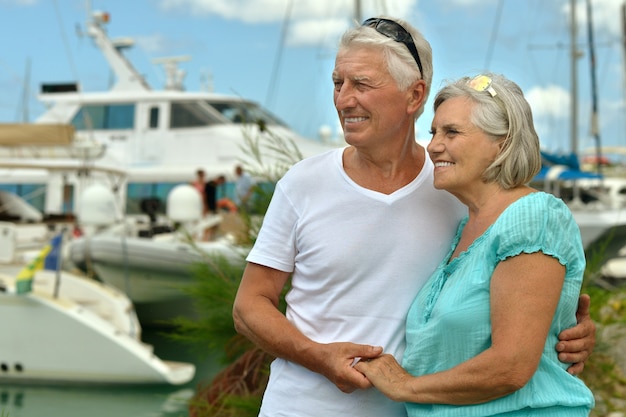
312, 22
151, 44
157, 43
262, 11
611, 116
605, 15
552, 101
316, 32
249, 11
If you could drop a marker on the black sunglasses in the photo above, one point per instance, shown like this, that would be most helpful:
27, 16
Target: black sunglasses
395, 31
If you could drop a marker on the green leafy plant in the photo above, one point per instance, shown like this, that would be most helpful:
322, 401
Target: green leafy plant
216, 281
267, 155
238, 388
608, 309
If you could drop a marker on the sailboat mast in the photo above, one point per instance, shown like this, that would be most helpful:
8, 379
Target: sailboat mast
357, 11
595, 128
573, 80
624, 43
26, 93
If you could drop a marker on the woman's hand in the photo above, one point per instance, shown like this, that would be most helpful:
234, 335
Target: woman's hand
386, 374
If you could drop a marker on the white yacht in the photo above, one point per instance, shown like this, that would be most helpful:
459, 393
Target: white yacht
159, 138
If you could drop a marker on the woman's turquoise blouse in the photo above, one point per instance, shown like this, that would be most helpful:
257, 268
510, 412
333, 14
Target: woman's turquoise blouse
449, 321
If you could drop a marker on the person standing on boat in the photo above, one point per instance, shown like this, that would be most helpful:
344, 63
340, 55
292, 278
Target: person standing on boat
243, 188
510, 282
210, 191
356, 232
199, 184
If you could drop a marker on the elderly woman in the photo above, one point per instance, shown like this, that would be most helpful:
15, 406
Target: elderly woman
481, 332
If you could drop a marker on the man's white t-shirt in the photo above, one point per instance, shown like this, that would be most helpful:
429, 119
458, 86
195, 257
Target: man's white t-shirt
358, 259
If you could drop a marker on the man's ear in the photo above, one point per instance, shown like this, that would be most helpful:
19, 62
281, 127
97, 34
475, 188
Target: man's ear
418, 95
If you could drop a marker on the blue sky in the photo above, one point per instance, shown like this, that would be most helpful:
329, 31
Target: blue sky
237, 47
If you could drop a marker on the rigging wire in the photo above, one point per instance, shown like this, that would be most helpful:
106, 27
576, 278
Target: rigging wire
548, 62
494, 34
271, 91
65, 41
25, 94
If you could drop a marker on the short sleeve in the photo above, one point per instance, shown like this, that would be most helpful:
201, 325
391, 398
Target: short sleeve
539, 222
275, 244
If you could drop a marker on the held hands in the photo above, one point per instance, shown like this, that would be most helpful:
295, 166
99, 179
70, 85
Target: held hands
337, 361
577, 343
386, 374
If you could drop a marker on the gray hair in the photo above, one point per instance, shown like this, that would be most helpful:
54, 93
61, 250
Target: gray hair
506, 117
398, 60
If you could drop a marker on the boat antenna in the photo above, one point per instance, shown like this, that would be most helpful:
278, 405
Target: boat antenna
206, 79
173, 75
128, 78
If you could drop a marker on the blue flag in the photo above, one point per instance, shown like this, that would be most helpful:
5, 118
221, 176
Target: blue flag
53, 257
25, 277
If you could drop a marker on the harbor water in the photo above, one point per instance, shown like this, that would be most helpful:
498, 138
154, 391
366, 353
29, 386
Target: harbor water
113, 401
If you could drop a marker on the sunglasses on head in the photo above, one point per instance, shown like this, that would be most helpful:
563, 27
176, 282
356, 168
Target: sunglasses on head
482, 83
395, 31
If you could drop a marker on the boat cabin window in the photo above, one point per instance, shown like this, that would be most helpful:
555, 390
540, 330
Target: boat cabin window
34, 194
154, 117
191, 114
245, 112
105, 117
136, 193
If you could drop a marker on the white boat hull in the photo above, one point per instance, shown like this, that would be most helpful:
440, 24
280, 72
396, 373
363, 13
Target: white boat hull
152, 273
596, 223
88, 334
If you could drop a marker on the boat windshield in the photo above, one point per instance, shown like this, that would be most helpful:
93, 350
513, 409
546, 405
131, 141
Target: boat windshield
186, 114
105, 117
245, 112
